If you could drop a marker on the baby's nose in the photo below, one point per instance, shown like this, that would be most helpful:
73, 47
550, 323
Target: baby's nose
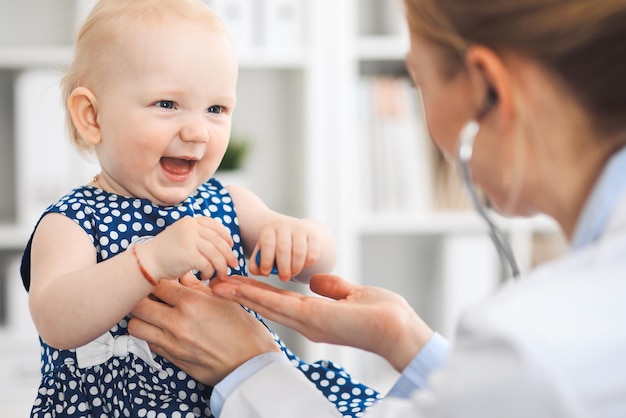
195, 130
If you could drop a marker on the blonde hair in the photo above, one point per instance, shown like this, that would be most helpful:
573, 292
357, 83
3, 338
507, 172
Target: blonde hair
105, 26
580, 41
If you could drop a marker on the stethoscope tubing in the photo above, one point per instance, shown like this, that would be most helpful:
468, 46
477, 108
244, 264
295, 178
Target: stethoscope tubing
465, 149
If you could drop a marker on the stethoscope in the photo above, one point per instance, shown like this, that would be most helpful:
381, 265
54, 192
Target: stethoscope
467, 137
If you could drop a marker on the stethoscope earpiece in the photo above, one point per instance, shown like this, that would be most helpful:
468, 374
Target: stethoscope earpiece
492, 97
491, 100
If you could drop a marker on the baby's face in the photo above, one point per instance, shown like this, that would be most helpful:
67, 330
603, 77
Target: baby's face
165, 110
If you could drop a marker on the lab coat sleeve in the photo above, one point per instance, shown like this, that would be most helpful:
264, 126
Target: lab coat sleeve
277, 390
280, 390
431, 357
488, 375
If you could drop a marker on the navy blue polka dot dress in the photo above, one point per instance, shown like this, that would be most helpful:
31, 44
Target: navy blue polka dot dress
125, 383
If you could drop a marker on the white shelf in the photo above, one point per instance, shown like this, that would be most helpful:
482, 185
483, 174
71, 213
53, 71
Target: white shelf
13, 237
32, 56
19, 375
445, 223
382, 48
61, 56
267, 59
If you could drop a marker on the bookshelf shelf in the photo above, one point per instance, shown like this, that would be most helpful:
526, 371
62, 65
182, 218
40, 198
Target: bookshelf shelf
34, 56
296, 60
13, 237
382, 48
448, 223
19, 58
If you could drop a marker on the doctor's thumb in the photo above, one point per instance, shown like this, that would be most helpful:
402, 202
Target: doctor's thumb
331, 286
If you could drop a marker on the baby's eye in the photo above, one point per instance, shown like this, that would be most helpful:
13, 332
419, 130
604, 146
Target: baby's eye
165, 104
215, 109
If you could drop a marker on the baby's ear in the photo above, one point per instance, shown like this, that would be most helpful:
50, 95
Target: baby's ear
83, 107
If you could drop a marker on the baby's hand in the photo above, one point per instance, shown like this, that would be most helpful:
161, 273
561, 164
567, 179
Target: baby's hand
290, 244
192, 243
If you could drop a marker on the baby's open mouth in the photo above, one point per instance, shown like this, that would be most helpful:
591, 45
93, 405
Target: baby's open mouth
177, 165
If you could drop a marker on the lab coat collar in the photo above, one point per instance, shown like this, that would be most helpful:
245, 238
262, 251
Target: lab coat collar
608, 193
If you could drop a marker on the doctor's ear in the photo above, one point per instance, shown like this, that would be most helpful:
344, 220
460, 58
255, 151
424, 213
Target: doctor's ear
490, 79
83, 108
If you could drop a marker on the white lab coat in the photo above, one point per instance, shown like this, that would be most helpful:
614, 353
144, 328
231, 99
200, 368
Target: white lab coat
551, 345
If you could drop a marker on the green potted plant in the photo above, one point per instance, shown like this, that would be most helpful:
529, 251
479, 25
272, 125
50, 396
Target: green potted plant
235, 155
230, 170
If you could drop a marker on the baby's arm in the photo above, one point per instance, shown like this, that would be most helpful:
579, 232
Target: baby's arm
300, 247
74, 300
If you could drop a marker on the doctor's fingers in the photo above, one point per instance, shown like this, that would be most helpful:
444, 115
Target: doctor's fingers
309, 316
189, 280
193, 368
154, 313
168, 346
183, 311
145, 319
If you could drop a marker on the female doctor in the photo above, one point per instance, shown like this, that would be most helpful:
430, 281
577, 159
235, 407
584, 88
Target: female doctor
531, 96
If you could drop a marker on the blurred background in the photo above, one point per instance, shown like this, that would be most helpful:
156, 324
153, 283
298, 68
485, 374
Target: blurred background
331, 129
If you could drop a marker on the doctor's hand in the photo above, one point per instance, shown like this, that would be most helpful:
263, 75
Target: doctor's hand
206, 336
370, 318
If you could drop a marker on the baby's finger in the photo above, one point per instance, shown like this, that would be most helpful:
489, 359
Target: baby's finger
284, 247
208, 272
216, 248
299, 251
257, 261
314, 249
267, 248
217, 226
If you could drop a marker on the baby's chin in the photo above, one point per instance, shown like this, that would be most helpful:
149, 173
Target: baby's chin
172, 196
